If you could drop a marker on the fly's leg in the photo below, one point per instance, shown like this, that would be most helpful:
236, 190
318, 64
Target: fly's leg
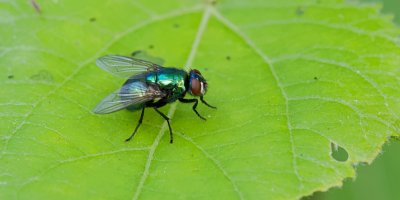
159, 104
137, 126
195, 101
202, 100
171, 140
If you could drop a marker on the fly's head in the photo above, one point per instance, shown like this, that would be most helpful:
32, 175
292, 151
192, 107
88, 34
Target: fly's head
197, 83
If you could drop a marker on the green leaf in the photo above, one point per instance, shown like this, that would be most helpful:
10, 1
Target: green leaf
292, 81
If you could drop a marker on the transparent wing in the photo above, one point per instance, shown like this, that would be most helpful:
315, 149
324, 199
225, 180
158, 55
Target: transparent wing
130, 94
124, 66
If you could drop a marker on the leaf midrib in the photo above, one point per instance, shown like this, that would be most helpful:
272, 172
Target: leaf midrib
207, 12
78, 69
204, 21
171, 112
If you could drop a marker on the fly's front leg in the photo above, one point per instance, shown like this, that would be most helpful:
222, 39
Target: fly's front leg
137, 126
202, 100
195, 101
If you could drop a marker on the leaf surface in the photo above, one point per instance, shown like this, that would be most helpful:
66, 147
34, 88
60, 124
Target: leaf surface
291, 79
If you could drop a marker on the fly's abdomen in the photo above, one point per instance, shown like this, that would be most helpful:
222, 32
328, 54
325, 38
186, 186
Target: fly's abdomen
133, 88
136, 92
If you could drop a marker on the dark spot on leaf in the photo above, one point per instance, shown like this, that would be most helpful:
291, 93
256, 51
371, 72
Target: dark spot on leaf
10, 76
151, 46
315, 78
228, 58
339, 153
43, 75
300, 11
36, 6
214, 2
143, 55
176, 25
92, 19
135, 53
206, 69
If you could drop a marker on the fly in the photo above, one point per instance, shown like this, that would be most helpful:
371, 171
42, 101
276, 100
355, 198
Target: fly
150, 85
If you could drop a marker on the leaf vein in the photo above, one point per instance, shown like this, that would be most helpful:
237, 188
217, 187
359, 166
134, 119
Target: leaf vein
268, 61
215, 162
193, 50
87, 62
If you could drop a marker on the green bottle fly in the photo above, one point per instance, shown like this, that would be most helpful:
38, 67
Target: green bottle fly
150, 85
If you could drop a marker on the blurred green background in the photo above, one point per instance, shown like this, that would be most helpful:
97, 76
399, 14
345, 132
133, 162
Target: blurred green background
379, 180
391, 7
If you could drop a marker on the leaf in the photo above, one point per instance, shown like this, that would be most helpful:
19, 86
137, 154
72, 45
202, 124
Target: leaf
292, 81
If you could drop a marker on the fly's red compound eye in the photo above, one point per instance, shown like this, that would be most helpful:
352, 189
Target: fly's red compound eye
196, 87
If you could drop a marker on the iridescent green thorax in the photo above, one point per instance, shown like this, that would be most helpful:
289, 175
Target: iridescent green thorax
171, 80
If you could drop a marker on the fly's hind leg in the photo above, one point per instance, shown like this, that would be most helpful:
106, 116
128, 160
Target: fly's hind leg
157, 105
171, 140
137, 126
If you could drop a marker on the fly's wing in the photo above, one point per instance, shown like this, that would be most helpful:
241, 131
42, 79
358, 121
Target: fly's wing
124, 66
130, 94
